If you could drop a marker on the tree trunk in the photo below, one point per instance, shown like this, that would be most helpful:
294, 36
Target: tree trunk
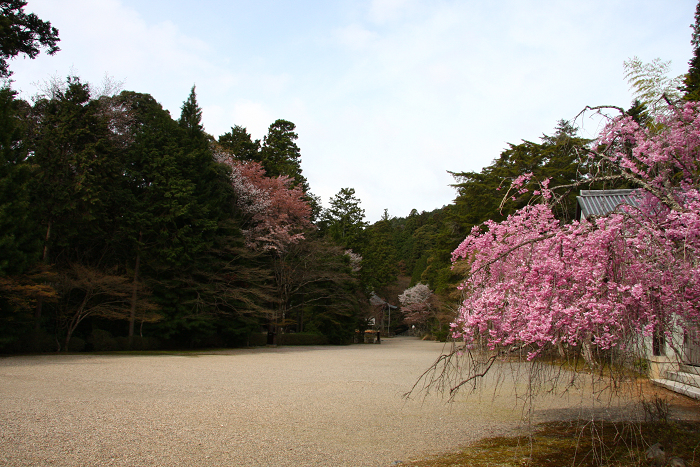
37, 315
39, 302
587, 351
134, 293
301, 319
77, 318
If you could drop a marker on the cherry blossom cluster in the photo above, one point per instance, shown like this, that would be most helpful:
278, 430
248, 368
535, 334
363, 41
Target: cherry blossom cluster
275, 212
355, 260
415, 303
539, 282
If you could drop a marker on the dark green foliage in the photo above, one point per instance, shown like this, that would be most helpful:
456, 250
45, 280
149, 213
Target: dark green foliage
101, 341
280, 153
191, 115
638, 111
321, 293
343, 222
22, 33
20, 244
76, 166
691, 82
303, 339
241, 144
559, 157
380, 260
415, 236
171, 184
77, 344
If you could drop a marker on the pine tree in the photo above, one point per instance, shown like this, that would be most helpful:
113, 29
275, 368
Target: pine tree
280, 153
191, 115
379, 255
344, 220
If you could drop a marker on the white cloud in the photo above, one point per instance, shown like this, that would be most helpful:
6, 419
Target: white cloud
355, 37
99, 37
254, 116
381, 11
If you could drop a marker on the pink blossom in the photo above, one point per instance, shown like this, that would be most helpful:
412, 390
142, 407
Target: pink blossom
275, 213
535, 281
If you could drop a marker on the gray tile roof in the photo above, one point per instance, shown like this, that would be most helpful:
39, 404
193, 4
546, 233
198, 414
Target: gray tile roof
603, 202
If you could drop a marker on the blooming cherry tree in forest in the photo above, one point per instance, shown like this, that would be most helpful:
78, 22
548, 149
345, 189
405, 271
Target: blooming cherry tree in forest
275, 212
415, 303
534, 282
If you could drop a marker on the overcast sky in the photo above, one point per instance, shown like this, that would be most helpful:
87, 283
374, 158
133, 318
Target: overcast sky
387, 95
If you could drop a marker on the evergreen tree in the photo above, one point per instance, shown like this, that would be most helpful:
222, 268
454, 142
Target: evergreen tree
344, 220
379, 255
691, 86
191, 115
240, 144
77, 171
20, 243
280, 153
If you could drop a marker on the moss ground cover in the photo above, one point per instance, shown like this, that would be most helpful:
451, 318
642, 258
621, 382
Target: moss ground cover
580, 444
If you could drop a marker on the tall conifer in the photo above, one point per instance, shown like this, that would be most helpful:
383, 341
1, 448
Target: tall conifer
692, 79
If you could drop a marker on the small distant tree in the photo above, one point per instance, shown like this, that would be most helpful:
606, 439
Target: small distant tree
416, 304
87, 291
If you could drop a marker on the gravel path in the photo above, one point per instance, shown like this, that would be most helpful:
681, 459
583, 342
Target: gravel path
287, 406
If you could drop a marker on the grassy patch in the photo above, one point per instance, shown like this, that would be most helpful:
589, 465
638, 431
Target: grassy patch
578, 444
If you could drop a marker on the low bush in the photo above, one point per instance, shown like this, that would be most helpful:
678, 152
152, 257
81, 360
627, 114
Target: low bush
76, 344
301, 339
102, 341
138, 343
257, 339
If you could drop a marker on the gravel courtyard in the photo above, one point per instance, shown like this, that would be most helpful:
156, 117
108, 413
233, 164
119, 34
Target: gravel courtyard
286, 406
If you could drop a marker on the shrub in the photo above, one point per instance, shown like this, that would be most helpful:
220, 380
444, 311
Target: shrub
138, 343
76, 344
102, 341
257, 339
301, 339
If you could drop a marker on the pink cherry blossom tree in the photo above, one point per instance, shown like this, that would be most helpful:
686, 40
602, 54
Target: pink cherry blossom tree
416, 305
534, 283
275, 212
275, 216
